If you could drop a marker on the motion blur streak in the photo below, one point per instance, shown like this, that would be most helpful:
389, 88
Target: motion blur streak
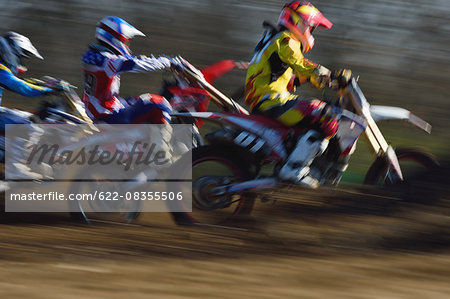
354, 246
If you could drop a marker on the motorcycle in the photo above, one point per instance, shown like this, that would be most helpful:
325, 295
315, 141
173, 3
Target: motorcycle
185, 95
232, 170
66, 107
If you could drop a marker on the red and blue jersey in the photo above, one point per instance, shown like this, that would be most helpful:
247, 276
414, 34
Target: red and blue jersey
102, 70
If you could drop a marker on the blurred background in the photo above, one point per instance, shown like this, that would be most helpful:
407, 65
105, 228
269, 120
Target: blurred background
400, 50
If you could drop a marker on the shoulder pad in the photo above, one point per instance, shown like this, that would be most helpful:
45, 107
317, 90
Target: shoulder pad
93, 57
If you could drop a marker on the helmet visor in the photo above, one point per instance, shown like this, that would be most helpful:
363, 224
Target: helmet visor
313, 17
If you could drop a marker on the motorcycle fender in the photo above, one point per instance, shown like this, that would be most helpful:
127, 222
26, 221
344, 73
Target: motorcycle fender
396, 113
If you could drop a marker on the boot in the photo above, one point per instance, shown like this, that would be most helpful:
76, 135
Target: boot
16, 166
18, 153
297, 167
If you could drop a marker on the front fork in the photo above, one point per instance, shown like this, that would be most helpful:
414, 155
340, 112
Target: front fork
393, 172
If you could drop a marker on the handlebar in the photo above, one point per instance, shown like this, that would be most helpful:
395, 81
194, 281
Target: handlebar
50, 82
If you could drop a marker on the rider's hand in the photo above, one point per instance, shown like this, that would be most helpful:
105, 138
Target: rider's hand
340, 78
175, 63
321, 77
53, 83
241, 65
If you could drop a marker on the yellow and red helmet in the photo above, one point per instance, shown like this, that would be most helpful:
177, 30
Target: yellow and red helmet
301, 18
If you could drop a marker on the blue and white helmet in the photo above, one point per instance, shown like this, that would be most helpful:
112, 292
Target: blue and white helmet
14, 46
116, 33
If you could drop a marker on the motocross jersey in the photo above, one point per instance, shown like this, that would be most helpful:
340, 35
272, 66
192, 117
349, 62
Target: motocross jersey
102, 70
11, 82
277, 58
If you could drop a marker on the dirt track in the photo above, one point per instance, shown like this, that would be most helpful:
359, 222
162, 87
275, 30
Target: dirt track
347, 247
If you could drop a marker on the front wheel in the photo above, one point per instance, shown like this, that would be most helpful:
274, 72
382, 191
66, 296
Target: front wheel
416, 164
213, 166
100, 208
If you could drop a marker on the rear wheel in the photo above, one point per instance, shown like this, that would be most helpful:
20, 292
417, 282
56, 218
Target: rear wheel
212, 167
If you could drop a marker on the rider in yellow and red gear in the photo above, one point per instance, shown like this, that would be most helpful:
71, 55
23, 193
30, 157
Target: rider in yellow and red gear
278, 57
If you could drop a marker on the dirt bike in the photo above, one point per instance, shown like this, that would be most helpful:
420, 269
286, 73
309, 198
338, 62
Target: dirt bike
64, 107
185, 95
227, 174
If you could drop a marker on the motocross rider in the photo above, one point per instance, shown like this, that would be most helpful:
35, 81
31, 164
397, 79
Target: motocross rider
104, 62
277, 58
13, 48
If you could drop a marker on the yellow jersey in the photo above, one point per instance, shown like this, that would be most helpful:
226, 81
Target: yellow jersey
277, 57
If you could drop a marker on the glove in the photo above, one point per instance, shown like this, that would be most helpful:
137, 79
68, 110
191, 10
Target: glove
321, 77
341, 78
56, 84
241, 65
175, 63
180, 64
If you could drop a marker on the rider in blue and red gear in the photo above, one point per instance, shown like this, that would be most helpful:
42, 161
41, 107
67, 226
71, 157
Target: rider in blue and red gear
13, 48
104, 62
